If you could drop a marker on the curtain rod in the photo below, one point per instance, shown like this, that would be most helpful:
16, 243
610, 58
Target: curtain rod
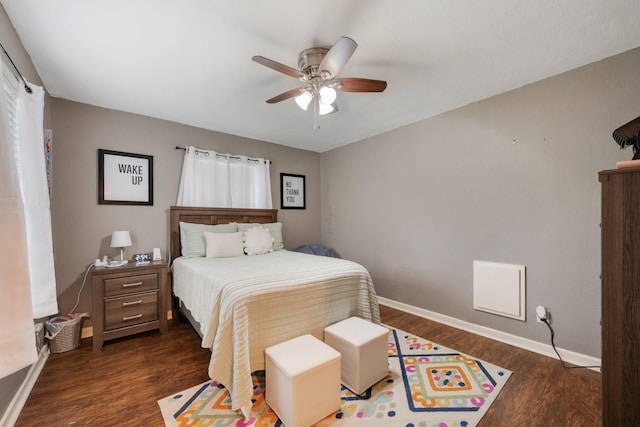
206, 153
26, 86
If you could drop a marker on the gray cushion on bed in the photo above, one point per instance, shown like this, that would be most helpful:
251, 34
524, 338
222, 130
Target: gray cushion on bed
192, 237
316, 249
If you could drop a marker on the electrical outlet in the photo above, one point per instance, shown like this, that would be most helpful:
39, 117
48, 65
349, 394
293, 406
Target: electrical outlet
542, 313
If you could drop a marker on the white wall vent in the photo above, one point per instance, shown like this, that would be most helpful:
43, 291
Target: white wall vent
499, 289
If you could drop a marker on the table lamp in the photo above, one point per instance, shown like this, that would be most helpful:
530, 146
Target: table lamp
121, 239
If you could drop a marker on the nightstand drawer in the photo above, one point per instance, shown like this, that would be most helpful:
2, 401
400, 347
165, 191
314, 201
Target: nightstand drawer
130, 284
130, 310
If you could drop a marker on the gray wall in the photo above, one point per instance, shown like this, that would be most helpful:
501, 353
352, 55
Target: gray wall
510, 179
82, 228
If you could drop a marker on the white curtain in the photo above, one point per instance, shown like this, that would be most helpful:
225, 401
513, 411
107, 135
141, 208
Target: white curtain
35, 195
17, 338
211, 179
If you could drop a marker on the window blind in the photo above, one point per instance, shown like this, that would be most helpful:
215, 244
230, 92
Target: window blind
10, 89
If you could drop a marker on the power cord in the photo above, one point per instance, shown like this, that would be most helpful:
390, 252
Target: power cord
556, 350
84, 280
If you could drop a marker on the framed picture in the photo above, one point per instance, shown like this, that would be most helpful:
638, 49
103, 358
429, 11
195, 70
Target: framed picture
292, 191
124, 178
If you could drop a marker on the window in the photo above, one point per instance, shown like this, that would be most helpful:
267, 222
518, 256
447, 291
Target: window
10, 89
17, 348
22, 125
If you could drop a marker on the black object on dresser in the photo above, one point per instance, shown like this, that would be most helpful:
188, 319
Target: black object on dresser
620, 296
128, 300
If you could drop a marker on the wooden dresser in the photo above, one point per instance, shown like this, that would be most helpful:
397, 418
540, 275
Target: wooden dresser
620, 297
128, 300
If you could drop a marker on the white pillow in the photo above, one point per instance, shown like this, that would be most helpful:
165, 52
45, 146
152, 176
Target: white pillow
257, 241
192, 237
275, 228
224, 245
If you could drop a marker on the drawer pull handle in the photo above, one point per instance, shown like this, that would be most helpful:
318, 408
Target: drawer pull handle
137, 316
131, 285
127, 304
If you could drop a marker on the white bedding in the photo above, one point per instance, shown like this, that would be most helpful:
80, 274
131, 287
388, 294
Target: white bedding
247, 303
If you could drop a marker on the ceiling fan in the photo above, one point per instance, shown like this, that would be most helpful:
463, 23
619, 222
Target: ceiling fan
319, 68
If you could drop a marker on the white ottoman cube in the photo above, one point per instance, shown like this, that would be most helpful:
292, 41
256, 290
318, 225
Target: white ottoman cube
364, 349
302, 380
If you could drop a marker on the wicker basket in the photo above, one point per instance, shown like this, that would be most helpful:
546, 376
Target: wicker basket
64, 332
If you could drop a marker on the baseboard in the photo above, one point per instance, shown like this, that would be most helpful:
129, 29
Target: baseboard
87, 332
10, 416
524, 343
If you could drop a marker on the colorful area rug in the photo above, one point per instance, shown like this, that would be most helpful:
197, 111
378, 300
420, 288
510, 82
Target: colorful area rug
428, 386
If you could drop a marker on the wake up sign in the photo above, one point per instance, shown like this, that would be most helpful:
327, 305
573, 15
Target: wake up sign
124, 178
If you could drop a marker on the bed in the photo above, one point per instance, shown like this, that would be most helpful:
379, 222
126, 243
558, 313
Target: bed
242, 304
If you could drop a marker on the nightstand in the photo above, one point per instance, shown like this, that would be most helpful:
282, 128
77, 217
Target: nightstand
128, 300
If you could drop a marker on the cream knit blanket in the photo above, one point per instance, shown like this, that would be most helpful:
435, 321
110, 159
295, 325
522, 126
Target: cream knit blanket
245, 304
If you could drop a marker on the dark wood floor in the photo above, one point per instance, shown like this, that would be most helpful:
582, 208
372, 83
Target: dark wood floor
120, 385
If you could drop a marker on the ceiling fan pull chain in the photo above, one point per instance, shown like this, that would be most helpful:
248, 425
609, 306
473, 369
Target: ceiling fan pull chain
316, 111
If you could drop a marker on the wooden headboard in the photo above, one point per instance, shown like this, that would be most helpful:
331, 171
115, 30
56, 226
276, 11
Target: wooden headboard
213, 216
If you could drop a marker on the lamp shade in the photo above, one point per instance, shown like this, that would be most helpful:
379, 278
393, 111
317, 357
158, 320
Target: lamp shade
304, 99
120, 239
328, 108
327, 95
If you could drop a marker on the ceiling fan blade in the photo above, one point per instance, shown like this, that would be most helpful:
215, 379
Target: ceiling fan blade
354, 84
337, 56
285, 95
284, 69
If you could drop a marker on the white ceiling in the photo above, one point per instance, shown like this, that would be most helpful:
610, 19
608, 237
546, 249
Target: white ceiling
189, 61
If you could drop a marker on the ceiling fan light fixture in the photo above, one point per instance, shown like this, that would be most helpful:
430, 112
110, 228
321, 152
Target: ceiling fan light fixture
327, 95
318, 69
304, 99
328, 108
